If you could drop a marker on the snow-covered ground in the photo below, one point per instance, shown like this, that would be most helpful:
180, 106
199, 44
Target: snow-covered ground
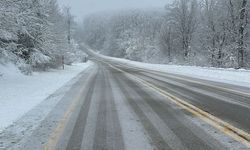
20, 93
239, 77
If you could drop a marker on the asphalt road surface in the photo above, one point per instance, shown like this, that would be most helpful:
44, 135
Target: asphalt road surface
116, 106
129, 108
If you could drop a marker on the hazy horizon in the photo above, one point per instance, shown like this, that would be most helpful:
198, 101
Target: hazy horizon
81, 8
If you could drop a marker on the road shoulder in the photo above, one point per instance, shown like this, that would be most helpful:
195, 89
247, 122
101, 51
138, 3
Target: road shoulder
16, 135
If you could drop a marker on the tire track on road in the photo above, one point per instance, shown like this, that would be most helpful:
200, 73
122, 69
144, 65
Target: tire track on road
108, 135
115, 139
78, 131
101, 124
156, 138
190, 138
230, 112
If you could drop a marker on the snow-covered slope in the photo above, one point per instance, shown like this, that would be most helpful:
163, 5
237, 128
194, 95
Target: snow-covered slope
20, 93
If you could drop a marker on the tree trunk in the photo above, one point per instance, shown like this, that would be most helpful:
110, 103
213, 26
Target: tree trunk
169, 44
241, 34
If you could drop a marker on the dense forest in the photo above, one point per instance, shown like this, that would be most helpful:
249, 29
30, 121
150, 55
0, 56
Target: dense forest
192, 32
36, 34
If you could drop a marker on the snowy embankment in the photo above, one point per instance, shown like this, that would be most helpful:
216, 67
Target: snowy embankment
239, 77
232, 76
20, 93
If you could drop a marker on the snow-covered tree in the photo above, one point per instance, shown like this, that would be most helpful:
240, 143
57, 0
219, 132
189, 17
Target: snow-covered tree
34, 34
195, 32
183, 17
131, 34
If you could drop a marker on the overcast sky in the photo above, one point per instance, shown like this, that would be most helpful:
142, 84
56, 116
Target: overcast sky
81, 8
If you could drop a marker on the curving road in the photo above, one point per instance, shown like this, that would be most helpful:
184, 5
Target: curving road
116, 106
121, 110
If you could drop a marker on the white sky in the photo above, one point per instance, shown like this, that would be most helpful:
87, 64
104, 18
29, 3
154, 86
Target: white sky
81, 8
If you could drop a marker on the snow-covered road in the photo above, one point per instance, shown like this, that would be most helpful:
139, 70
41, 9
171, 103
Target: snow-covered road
109, 109
119, 105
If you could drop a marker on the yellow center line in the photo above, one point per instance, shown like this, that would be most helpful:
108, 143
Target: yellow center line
58, 131
226, 128
193, 81
235, 133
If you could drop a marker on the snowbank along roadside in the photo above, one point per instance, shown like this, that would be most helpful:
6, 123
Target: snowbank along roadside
20, 93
